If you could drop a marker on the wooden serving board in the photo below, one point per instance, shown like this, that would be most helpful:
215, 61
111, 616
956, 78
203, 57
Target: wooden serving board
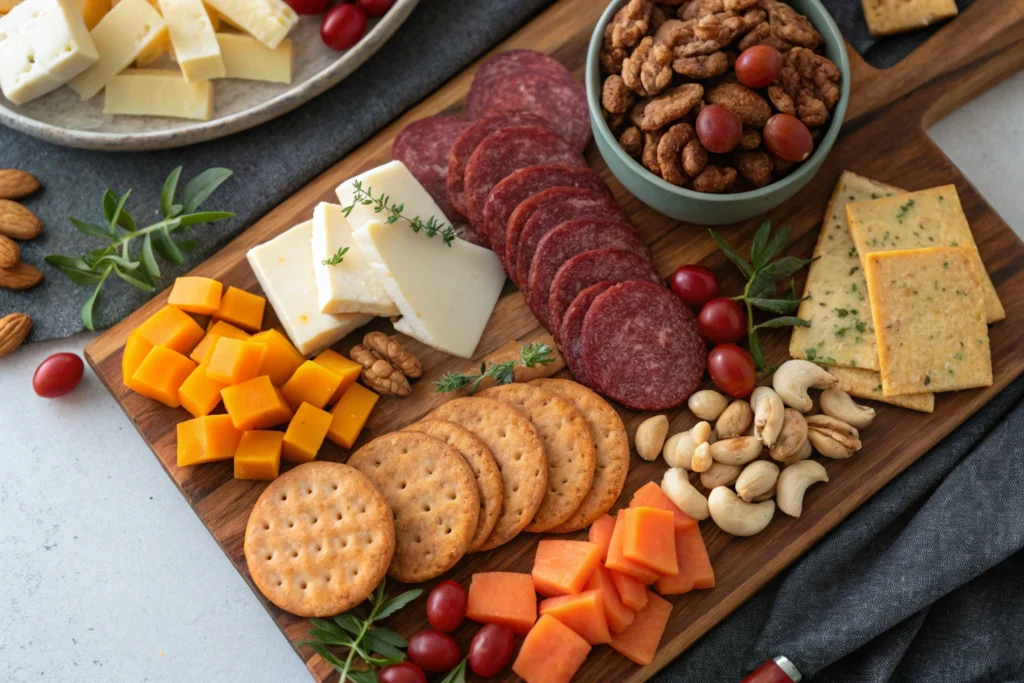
883, 138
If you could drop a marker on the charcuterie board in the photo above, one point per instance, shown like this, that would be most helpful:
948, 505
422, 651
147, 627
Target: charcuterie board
883, 138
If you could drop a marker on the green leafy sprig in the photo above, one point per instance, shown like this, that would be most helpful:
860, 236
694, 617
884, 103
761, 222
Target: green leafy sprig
763, 272
121, 233
358, 631
458, 674
383, 204
502, 373
336, 258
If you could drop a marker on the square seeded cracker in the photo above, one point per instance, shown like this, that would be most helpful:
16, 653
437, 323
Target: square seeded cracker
929, 319
885, 17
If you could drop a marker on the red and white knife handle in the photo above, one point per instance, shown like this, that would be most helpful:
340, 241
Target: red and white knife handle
778, 670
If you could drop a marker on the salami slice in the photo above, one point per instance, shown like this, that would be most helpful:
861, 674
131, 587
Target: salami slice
424, 147
586, 269
560, 101
523, 184
566, 241
504, 152
640, 346
488, 77
572, 328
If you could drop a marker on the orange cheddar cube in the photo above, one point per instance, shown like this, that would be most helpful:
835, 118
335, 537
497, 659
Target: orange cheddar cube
206, 439
346, 368
305, 433
256, 404
161, 374
217, 329
258, 455
312, 383
282, 359
196, 295
551, 653
173, 328
135, 350
350, 415
505, 598
241, 308
649, 539
234, 361
199, 394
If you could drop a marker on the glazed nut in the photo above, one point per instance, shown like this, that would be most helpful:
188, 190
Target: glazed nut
671, 106
769, 414
715, 179
795, 377
386, 348
837, 403
695, 158
632, 142
792, 437
734, 420
650, 437
719, 474
738, 450
380, 375
736, 516
676, 485
793, 483
707, 404
678, 450
756, 479
702, 460
752, 109
831, 437
615, 96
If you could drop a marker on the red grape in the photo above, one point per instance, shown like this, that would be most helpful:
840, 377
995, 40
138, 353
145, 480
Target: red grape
57, 375
405, 672
376, 8
695, 285
309, 6
788, 138
491, 649
758, 66
434, 651
446, 606
722, 321
719, 128
343, 26
732, 370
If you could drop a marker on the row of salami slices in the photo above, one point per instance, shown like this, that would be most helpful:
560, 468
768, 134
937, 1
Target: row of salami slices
514, 179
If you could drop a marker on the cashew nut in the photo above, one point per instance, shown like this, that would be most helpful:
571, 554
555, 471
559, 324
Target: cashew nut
803, 453
719, 475
736, 451
768, 414
737, 517
678, 451
792, 437
793, 482
831, 437
734, 420
764, 496
676, 485
702, 460
837, 403
650, 436
707, 404
701, 432
756, 479
795, 377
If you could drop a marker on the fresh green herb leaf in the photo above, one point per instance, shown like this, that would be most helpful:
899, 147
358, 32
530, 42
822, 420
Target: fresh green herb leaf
201, 187
458, 674
336, 258
731, 254
382, 204
784, 268
383, 647
202, 217
90, 303
775, 305
757, 249
167, 206
783, 321
166, 246
396, 603
91, 229
502, 373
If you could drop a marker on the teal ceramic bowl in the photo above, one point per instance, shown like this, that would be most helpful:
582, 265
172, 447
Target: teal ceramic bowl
700, 207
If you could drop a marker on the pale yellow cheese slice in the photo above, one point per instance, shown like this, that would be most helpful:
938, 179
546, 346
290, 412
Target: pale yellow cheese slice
868, 384
885, 17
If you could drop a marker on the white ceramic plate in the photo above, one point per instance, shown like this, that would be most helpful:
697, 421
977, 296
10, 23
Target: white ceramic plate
63, 119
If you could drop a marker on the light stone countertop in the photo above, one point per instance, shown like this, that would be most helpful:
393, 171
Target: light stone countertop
108, 575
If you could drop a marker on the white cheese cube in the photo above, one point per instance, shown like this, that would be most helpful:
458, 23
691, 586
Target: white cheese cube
284, 268
396, 181
350, 286
195, 43
249, 59
268, 21
158, 92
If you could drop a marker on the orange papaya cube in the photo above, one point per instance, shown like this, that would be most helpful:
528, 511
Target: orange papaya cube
234, 361
563, 567
161, 374
640, 641
582, 612
173, 328
199, 394
649, 539
206, 439
617, 614
601, 533
617, 562
346, 368
632, 593
650, 495
312, 383
505, 598
305, 433
135, 350
217, 329
350, 415
196, 295
282, 359
551, 653
258, 455
256, 404
694, 565
242, 309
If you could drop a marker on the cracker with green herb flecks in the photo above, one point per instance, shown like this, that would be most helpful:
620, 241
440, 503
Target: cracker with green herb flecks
886, 17
868, 384
929, 313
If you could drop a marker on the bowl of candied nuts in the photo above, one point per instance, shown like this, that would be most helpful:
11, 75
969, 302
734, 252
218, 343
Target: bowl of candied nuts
715, 111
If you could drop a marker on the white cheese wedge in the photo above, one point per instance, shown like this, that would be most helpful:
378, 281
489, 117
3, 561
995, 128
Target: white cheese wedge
195, 43
394, 180
268, 21
445, 293
158, 92
284, 268
43, 45
249, 59
8, 5
125, 32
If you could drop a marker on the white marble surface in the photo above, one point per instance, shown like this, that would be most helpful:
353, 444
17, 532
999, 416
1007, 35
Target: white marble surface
108, 575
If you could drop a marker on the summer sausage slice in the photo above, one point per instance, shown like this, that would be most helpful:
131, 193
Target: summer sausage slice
640, 346
489, 76
587, 269
561, 101
572, 328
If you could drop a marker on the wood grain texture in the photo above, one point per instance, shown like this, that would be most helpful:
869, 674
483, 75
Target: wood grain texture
883, 138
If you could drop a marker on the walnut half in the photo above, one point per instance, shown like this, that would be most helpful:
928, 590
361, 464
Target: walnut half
379, 374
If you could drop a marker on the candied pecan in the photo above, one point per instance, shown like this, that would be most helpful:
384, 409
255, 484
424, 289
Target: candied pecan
636, 114
647, 71
615, 96
699, 8
809, 85
781, 100
612, 58
762, 35
659, 15
789, 25
670, 149
748, 105
632, 142
695, 158
650, 154
755, 167
753, 18
749, 139
672, 106
703, 66
780, 166
673, 32
817, 73
810, 109
715, 179
616, 122
630, 24
711, 33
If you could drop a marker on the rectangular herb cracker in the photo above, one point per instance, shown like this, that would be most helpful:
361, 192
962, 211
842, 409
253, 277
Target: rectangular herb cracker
917, 220
929, 316
868, 384
885, 17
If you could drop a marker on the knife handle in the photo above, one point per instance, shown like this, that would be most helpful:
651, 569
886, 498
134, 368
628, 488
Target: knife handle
778, 670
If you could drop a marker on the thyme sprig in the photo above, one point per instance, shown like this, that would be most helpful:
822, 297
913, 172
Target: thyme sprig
530, 355
336, 258
383, 204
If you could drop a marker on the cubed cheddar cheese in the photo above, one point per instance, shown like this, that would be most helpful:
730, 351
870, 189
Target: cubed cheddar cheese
258, 455
234, 361
199, 394
161, 374
346, 368
216, 330
173, 328
207, 439
135, 350
281, 360
312, 383
350, 415
305, 433
256, 404
196, 295
242, 309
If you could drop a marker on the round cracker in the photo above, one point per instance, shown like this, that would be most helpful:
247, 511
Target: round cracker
611, 449
480, 460
433, 495
567, 444
319, 539
517, 451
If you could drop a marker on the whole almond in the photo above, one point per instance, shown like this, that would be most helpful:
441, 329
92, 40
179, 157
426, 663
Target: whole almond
18, 222
15, 184
21, 276
13, 330
10, 252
